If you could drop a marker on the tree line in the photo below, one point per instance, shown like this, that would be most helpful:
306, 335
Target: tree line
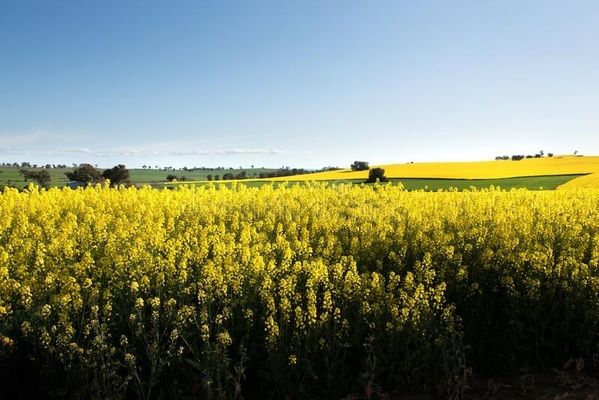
84, 174
518, 157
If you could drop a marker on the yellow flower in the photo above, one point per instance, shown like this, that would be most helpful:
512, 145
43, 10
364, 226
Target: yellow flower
292, 359
46, 310
139, 303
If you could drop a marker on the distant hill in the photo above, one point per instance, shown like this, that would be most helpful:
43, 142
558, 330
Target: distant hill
587, 166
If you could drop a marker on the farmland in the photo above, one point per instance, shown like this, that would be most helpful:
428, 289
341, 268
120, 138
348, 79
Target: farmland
545, 173
534, 167
305, 291
10, 176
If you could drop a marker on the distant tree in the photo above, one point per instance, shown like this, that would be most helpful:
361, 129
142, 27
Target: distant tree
84, 173
209, 177
42, 177
359, 166
376, 174
217, 177
549, 154
171, 177
542, 153
117, 175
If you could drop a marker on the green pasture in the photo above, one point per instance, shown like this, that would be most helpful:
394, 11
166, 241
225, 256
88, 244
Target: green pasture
157, 178
11, 177
548, 182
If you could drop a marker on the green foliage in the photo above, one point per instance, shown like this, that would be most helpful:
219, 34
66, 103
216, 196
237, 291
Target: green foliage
85, 173
359, 166
117, 175
376, 174
41, 177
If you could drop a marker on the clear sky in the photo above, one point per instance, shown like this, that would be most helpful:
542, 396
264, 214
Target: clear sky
296, 83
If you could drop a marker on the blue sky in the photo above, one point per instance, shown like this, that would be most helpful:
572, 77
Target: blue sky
296, 83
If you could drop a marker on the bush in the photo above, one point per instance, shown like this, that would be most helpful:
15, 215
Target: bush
359, 166
376, 174
41, 177
84, 173
117, 175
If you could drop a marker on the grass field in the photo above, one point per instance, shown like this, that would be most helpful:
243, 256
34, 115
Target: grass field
12, 177
530, 182
548, 182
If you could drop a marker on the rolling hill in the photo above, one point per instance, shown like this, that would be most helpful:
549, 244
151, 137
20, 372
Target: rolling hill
586, 167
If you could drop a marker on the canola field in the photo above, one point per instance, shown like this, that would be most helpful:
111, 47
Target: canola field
292, 292
546, 166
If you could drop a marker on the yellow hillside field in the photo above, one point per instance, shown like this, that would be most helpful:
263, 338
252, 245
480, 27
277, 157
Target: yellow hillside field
558, 165
586, 181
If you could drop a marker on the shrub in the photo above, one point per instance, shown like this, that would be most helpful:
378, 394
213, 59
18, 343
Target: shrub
117, 175
84, 173
376, 174
359, 166
41, 177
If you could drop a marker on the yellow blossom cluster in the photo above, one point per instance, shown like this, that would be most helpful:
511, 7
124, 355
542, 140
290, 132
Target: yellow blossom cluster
311, 287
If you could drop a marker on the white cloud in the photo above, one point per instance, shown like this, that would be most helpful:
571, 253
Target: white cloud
219, 152
23, 139
127, 152
44, 146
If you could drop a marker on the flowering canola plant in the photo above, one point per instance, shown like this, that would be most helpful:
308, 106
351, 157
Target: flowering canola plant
312, 291
558, 165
